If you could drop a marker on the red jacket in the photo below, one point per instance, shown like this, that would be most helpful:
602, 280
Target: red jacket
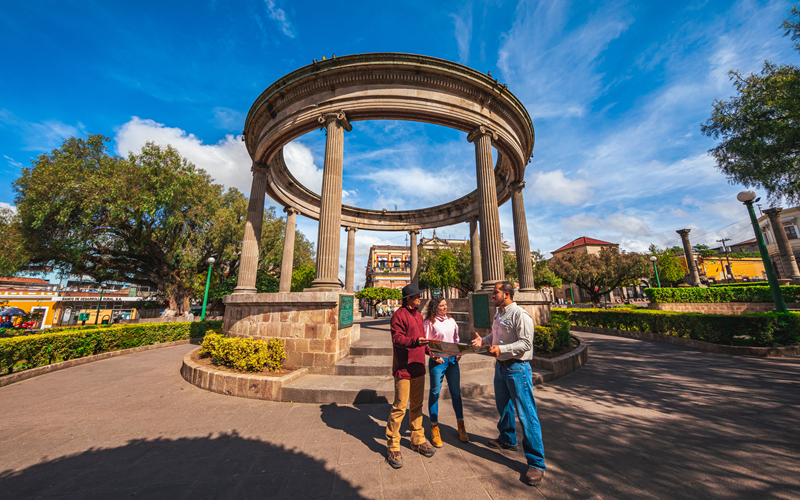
408, 359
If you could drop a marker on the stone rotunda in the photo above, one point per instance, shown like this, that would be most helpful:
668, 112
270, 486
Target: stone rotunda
335, 94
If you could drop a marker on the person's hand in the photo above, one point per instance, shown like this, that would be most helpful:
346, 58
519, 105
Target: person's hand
458, 358
439, 360
477, 341
421, 341
494, 351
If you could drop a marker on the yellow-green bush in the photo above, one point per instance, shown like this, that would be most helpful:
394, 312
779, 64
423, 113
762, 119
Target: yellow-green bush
243, 354
551, 336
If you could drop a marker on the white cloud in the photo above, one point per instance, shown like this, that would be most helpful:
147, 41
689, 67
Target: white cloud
618, 222
555, 187
551, 65
278, 14
300, 162
12, 162
227, 161
462, 23
228, 119
433, 187
41, 136
8, 206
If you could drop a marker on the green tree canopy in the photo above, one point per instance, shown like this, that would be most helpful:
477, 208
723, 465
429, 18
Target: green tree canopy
12, 246
669, 268
599, 274
150, 219
759, 128
376, 295
704, 250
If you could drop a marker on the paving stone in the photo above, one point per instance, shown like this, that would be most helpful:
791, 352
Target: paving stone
641, 420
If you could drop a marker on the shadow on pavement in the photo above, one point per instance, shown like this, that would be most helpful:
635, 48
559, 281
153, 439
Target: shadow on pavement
225, 467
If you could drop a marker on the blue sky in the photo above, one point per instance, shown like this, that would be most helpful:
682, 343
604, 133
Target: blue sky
616, 90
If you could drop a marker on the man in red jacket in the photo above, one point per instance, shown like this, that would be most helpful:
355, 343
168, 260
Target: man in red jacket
408, 368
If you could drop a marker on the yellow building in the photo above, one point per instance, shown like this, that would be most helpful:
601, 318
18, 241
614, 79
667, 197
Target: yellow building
716, 270
32, 301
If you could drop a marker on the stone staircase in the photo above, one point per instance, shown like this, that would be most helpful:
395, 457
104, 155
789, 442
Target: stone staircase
364, 376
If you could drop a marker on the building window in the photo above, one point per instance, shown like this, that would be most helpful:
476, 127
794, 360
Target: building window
766, 234
791, 230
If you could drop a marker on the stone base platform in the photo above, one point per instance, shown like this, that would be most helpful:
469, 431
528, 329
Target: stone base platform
364, 376
306, 321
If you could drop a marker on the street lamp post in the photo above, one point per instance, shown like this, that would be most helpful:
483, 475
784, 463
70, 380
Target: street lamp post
572, 294
748, 197
210, 261
99, 302
653, 259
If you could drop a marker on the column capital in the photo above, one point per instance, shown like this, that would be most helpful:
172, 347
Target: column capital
339, 116
773, 212
291, 210
517, 186
683, 232
347, 229
259, 168
480, 131
413, 231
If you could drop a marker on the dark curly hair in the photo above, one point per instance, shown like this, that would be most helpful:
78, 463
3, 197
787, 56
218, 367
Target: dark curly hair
433, 306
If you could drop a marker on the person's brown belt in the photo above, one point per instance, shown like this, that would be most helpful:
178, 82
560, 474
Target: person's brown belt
509, 362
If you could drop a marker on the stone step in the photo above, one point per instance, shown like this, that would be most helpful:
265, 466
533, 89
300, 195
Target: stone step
380, 388
382, 365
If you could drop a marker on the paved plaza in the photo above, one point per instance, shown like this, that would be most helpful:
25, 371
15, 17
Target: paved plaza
641, 420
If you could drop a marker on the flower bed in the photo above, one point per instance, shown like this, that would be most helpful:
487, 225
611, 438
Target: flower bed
29, 351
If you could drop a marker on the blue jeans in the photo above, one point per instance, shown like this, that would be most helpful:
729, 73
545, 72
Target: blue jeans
513, 390
438, 371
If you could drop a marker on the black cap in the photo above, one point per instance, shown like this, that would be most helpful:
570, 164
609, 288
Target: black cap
410, 290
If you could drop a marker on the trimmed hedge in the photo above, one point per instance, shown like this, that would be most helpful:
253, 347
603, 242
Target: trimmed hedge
764, 329
244, 354
791, 293
551, 336
749, 283
30, 351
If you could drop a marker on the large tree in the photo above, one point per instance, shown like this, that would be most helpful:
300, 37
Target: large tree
599, 274
759, 128
150, 219
12, 246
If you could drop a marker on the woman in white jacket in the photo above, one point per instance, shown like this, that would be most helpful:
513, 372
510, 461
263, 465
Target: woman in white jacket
441, 326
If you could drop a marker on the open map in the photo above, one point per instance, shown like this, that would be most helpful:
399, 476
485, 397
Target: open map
449, 349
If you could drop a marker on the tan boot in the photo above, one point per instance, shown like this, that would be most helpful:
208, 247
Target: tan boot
462, 432
436, 437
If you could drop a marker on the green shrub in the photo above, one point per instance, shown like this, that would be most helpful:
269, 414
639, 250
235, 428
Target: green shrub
244, 354
791, 293
749, 283
764, 329
551, 336
30, 351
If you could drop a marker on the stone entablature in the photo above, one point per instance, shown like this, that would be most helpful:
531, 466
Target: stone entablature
384, 86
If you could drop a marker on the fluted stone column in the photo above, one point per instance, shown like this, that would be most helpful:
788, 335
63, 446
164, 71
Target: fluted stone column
491, 242
349, 271
475, 250
414, 256
523, 246
248, 264
784, 247
694, 275
288, 251
330, 212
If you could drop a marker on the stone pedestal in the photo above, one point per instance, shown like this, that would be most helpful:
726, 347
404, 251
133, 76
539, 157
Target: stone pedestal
306, 321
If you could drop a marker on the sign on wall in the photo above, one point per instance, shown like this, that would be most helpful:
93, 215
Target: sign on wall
480, 310
345, 311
